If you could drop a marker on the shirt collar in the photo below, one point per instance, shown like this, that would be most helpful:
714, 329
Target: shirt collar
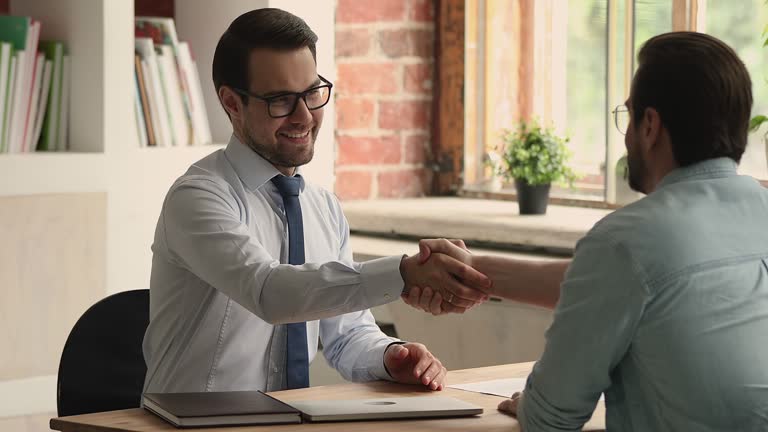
707, 169
252, 169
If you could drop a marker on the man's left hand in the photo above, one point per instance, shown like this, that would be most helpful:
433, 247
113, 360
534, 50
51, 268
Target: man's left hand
412, 363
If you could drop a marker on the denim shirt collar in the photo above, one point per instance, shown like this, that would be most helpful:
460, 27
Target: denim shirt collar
707, 169
252, 169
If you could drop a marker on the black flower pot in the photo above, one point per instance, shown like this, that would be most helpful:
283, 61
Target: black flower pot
532, 199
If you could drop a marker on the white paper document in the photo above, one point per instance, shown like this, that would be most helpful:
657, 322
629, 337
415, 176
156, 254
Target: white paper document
500, 387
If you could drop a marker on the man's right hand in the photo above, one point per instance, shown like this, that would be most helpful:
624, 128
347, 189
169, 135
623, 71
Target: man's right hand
455, 284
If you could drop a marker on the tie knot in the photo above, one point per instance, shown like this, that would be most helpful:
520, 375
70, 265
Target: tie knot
287, 186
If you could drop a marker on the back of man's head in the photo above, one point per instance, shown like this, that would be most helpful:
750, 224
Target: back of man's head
268, 28
702, 92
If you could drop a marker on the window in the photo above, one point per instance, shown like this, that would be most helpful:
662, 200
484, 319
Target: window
741, 27
569, 62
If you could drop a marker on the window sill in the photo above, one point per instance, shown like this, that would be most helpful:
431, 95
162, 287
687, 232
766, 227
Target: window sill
490, 223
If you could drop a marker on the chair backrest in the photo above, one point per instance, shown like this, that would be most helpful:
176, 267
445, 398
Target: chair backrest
102, 366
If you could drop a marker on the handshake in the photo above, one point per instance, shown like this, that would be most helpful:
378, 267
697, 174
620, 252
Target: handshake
441, 278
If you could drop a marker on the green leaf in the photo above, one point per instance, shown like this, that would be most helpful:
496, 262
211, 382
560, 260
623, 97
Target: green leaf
756, 122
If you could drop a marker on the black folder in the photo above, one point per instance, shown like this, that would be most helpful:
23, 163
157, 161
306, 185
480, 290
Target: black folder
220, 408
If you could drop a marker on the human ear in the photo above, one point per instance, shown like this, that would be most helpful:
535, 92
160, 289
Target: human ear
232, 102
651, 126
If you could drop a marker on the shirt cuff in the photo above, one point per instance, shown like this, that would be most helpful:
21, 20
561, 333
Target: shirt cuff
381, 279
378, 370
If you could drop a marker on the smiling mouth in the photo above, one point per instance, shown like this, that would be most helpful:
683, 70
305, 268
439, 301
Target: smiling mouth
295, 135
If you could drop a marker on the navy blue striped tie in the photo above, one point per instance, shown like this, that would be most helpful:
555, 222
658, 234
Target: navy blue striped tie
297, 359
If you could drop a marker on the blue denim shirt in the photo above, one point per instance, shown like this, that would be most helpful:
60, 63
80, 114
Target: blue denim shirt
665, 309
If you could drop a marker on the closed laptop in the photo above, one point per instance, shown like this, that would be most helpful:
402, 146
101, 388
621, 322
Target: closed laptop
385, 409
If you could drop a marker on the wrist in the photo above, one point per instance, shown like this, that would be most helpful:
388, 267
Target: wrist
384, 357
404, 270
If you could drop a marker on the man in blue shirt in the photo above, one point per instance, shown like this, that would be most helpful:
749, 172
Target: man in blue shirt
664, 307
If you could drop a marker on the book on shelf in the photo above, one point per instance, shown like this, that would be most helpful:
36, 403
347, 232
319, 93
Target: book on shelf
6, 80
62, 143
219, 408
54, 52
158, 107
184, 114
32, 86
144, 111
141, 125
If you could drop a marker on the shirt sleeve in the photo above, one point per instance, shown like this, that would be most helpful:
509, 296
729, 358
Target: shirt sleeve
204, 234
353, 343
601, 302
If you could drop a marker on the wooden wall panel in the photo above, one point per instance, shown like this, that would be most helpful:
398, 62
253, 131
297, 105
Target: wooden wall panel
448, 108
52, 268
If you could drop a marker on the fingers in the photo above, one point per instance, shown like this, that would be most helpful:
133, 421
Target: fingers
424, 252
425, 360
450, 308
428, 378
445, 247
426, 298
435, 306
413, 296
509, 406
471, 278
439, 382
428, 370
460, 243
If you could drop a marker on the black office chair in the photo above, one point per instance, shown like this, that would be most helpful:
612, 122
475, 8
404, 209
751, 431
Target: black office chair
102, 366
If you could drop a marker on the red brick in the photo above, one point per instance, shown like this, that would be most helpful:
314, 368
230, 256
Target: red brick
401, 43
402, 183
351, 43
421, 10
416, 148
354, 113
418, 78
368, 150
352, 185
365, 11
367, 78
404, 115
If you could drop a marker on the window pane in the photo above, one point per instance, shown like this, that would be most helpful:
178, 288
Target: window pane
586, 92
740, 24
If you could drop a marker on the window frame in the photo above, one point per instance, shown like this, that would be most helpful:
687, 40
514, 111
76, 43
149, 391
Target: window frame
458, 165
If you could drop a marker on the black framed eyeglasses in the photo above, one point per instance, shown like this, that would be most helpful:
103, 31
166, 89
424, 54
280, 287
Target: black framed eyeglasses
284, 104
621, 118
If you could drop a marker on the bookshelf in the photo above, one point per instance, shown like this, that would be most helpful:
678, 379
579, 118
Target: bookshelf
76, 226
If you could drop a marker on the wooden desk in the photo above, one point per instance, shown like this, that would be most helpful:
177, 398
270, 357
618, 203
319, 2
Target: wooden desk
138, 420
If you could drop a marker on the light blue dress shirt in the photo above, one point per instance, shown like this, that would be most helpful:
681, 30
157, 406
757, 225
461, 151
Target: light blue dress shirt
218, 290
665, 309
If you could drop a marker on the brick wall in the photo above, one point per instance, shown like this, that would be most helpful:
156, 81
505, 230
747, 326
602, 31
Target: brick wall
384, 59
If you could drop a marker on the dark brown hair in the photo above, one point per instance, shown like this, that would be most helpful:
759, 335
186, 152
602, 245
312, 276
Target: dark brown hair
269, 28
702, 92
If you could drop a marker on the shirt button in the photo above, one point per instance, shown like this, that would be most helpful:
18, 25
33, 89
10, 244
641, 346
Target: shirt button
274, 369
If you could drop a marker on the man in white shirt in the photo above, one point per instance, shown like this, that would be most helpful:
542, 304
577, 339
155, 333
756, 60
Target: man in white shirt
252, 264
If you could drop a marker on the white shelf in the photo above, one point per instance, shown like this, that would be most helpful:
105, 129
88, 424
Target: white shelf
52, 173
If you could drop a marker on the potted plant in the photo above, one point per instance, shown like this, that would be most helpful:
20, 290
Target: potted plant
535, 157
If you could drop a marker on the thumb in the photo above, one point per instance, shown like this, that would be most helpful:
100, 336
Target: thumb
424, 252
398, 353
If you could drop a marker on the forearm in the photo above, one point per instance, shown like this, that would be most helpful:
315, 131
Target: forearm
354, 345
318, 291
533, 282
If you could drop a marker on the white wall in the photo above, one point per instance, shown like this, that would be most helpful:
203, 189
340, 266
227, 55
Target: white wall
194, 15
